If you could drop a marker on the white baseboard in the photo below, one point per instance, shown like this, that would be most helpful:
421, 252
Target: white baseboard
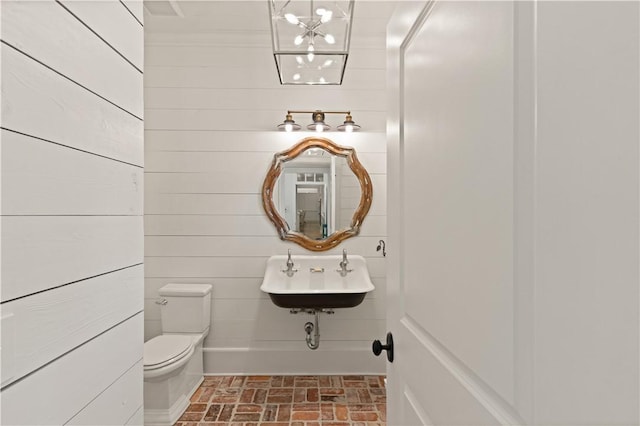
260, 361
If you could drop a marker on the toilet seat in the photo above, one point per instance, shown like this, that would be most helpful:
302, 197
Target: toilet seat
165, 353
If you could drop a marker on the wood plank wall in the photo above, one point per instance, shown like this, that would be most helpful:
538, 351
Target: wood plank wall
72, 232
211, 109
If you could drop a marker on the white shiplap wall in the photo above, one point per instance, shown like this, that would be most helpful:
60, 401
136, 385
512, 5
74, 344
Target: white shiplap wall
211, 107
72, 173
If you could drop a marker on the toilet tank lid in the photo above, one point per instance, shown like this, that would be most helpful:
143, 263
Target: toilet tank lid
185, 290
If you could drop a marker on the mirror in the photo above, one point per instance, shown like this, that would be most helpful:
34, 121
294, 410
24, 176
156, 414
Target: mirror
311, 190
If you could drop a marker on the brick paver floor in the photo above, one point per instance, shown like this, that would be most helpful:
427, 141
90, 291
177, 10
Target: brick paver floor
288, 401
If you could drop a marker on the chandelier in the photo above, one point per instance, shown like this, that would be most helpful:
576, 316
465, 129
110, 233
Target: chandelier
311, 40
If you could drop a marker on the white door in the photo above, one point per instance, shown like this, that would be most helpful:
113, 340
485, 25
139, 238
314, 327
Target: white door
513, 222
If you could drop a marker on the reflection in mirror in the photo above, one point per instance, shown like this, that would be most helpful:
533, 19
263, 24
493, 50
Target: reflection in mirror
317, 193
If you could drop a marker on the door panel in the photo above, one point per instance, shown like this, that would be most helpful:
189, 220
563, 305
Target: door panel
458, 232
455, 321
514, 213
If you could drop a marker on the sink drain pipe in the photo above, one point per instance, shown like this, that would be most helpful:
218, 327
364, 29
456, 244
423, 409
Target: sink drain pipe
313, 341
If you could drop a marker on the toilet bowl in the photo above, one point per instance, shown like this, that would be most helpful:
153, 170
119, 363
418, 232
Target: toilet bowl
165, 354
173, 364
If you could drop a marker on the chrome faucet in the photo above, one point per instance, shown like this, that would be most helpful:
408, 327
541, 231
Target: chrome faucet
289, 271
343, 265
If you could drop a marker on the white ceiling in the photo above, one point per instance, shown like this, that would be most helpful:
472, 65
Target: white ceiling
240, 20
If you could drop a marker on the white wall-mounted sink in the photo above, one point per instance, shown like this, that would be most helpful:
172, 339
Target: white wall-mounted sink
317, 282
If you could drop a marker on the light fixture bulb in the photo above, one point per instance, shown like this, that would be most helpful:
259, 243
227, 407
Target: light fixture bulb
326, 16
310, 55
291, 18
288, 127
319, 127
348, 128
298, 40
329, 39
296, 76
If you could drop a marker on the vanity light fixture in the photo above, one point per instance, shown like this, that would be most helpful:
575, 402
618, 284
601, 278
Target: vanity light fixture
318, 124
310, 40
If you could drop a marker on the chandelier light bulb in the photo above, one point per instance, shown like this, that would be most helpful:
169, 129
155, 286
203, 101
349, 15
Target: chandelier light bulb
327, 63
310, 55
329, 39
296, 77
299, 60
298, 40
321, 11
326, 16
291, 18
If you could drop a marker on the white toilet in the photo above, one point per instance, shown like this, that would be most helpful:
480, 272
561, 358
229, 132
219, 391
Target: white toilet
173, 367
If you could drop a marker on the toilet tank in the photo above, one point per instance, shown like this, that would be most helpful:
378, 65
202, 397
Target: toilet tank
188, 308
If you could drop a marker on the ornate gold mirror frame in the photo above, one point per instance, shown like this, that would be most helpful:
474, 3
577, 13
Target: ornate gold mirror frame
366, 194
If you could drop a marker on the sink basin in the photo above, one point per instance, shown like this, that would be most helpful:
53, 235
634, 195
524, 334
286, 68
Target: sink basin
317, 284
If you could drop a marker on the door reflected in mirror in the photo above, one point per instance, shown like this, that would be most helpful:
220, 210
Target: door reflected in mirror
317, 193
311, 192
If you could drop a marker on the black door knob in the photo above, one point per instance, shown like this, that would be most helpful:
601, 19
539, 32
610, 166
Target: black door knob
378, 347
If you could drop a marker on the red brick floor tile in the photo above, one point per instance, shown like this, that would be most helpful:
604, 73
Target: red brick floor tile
368, 417
238, 381
306, 407
276, 381
260, 396
206, 394
212, 413
313, 394
364, 395
196, 407
284, 413
326, 411
341, 412
305, 415
226, 395
212, 381
352, 400
196, 394
249, 408
324, 381
299, 395
352, 396
362, 407
226, 413
353, 378
244, 417
306, 383
191, 417
280, 395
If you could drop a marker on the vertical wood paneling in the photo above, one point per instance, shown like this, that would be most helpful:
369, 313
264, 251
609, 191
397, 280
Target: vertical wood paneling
72, 279
210, 137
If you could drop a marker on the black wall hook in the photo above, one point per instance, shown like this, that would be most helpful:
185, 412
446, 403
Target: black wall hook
382, 245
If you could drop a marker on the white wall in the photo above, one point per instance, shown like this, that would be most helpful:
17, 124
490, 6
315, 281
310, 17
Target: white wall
211, 110
72, 157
